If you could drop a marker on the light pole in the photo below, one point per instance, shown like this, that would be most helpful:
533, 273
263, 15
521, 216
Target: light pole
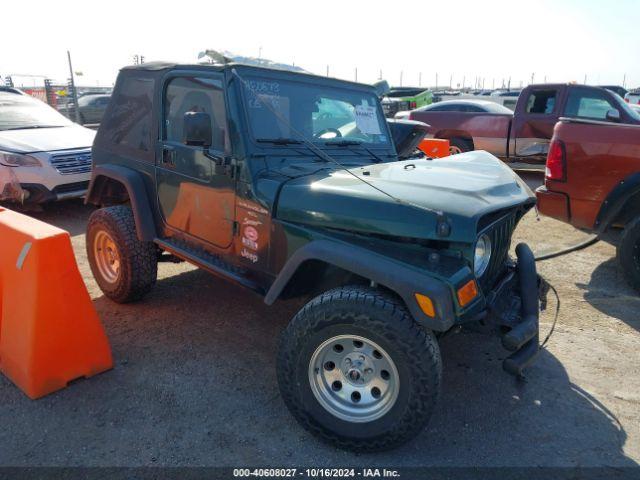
73, 89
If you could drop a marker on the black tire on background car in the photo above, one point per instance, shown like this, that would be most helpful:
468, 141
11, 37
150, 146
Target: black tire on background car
124, 267
628, 253
357, 371
459, 145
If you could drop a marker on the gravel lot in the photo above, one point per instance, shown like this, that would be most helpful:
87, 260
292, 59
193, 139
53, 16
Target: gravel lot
194, 380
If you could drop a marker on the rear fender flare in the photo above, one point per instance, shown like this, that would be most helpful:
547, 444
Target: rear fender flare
616, 200
401, 279
134, 184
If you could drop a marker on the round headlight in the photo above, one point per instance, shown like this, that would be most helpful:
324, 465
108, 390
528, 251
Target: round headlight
482, 255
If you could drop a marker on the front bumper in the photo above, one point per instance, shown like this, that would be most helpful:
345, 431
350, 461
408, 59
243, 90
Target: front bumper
514, 306
62, 174
35, 193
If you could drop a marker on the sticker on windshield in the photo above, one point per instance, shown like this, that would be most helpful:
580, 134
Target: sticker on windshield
367, 120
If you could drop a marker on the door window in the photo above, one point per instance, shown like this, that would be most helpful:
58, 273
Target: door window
445, 108
196, 94
541, 101
588, 103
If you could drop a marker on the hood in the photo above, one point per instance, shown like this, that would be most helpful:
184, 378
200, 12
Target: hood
46, 139
463, 188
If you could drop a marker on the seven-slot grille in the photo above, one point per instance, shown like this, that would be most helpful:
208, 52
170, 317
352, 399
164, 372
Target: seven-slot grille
500, 234
72, 163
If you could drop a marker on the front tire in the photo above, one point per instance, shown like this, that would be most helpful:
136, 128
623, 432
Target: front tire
124, 267
628, 253
357, 371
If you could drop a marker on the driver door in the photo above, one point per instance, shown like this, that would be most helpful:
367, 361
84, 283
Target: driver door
195, 195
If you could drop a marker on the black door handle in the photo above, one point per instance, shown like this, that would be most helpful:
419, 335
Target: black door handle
169, 156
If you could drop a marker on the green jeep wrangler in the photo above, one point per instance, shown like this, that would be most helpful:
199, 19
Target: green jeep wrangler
290, 185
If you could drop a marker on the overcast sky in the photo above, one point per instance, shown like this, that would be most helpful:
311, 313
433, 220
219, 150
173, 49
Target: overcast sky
560, 40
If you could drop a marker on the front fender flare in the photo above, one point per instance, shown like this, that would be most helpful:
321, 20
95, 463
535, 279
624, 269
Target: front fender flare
396, 276
134, 183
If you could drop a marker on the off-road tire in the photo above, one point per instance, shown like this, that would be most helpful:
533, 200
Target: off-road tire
628, 253
377, 316
138, 260
460, 143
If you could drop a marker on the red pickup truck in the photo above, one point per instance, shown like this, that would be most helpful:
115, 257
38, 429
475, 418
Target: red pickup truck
592, 181
522, 138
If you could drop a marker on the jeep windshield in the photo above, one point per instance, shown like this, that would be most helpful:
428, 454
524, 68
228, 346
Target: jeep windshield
279, 111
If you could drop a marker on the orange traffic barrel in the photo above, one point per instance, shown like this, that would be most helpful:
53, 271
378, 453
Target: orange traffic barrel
50, 333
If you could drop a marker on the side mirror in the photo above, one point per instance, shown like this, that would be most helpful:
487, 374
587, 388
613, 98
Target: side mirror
613, 115
196, 129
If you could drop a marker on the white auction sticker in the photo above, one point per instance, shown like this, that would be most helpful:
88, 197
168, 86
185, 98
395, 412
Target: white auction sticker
367, 119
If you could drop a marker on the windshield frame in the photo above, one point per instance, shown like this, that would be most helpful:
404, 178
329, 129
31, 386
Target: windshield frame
248, 74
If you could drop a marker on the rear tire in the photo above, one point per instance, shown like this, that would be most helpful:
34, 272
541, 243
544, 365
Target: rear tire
628, 253
124, 267
459, 145
379, 389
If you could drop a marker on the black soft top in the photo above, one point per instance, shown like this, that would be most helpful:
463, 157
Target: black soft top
161, 67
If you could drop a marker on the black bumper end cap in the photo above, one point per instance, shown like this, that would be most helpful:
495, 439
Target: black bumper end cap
521, 333
518, 361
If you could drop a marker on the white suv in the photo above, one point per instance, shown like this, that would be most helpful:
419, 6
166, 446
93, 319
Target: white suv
43, 155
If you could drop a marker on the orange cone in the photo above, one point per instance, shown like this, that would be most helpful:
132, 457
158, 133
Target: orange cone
50, 333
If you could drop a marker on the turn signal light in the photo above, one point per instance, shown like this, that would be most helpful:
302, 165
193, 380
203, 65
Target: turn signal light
467, 292
426, 305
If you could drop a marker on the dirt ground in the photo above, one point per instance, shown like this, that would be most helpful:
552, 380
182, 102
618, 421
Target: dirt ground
194, 381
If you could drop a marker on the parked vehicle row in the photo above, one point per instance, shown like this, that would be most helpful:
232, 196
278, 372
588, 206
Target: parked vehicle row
522, 138
401, 99
91, 108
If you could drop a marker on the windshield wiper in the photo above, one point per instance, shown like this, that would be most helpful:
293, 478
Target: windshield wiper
279, 141
29, 127
351, 143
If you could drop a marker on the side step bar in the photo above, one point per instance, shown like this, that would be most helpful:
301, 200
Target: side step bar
215, 266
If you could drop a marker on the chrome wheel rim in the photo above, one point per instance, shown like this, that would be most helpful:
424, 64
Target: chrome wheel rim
353, 378
453, 150
107, 256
